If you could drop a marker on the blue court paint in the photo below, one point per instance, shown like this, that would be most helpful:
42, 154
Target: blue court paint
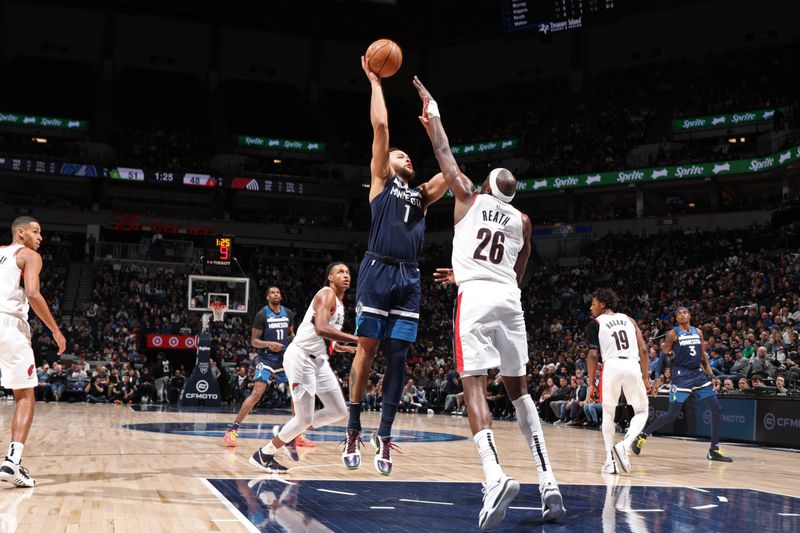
232, 409
264, 431
346, 506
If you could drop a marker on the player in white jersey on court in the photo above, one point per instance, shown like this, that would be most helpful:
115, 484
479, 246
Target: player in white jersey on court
620, 344
491, 246
19, 261
306, 365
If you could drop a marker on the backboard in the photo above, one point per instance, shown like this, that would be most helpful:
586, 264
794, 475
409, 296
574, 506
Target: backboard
203, 290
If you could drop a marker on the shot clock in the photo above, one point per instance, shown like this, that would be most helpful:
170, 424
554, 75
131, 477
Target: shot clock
220, 253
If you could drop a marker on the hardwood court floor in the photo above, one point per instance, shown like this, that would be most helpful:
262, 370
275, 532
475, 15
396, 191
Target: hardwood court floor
93, 474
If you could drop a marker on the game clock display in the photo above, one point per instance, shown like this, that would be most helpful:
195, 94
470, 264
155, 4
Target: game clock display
221, 251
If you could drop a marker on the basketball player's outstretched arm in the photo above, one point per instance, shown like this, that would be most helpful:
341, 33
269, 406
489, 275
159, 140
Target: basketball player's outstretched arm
31, 264
463, 189
379, 167
324, 301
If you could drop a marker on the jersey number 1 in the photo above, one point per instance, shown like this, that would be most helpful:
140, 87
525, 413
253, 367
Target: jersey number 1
495, 250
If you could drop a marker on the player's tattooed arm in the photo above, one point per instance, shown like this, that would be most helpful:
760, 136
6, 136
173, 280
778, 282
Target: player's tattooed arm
704, 362
380, 170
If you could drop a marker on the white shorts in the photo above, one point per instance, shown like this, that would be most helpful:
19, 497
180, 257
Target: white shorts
17, 368
489, 329
623, 375
308, 373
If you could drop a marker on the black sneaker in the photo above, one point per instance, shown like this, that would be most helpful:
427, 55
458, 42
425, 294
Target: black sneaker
716, 454
638, 442
267, 463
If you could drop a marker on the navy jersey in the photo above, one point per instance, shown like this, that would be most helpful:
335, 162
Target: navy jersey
274, 326
687, 348
398, 222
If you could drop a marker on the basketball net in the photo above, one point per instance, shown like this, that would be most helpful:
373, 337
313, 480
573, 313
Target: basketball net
218, 309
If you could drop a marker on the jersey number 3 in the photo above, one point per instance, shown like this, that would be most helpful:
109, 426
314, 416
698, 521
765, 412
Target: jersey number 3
495, 250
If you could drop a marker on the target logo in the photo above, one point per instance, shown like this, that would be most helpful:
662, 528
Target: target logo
158, 341
191, 342
769, 421
173, 342
202, 386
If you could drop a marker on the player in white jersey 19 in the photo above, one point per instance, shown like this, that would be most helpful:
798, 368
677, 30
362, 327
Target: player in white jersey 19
620, 344
491, 246
20, 261
306, 365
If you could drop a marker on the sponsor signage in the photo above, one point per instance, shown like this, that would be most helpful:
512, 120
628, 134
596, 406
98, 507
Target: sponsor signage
202, 386
647, 175
778, 422
738, 418
165, 341
132, 222
280, 145
485, 147
727, 120
34, 121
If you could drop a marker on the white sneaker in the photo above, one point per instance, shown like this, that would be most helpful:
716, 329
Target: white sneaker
621, 455
610, 467
552, 503
16, 474
496, 499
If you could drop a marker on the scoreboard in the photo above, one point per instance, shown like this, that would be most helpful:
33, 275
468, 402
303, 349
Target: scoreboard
220, 251
550, 16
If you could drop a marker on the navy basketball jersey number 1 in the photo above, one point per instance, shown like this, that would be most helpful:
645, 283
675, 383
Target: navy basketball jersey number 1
277, 326
398, 222
687, 348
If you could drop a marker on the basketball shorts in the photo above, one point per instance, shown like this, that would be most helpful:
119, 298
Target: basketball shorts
388, 298
689, 381
17, 367
268, 365
623, 376
489, 329
308, 373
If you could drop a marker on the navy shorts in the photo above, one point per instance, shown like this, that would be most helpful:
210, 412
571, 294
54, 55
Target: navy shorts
388, 297
688, 381
266, 365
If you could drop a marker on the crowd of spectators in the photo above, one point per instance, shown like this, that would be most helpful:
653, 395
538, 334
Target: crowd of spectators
740, 286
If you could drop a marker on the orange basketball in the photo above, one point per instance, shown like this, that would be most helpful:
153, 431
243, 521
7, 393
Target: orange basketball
384, 57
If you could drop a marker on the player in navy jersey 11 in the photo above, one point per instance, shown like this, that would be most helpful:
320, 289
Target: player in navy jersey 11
388, 285
691, 375
272, 331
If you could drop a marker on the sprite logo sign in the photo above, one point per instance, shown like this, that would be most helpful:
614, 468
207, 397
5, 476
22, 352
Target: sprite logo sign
268, 143
646, 175
34, 121
485, 147
726, 120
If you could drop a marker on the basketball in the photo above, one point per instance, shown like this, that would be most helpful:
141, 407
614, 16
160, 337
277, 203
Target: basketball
384, 57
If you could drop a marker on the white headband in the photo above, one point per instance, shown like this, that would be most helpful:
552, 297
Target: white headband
495, 189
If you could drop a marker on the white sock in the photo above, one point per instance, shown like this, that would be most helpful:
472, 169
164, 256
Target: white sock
531, 426
636, 426
15, 452
608, 428
269, 449
484, 442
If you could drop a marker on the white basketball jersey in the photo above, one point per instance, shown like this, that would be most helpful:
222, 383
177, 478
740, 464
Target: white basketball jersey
12, 296
617, 336
487, 242
307, 338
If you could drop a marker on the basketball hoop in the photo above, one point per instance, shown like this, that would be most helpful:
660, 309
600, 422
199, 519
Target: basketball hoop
218, 308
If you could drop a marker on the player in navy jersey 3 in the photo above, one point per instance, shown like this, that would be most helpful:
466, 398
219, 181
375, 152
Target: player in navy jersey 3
272, 331
388, 286
691, 375
491, 247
